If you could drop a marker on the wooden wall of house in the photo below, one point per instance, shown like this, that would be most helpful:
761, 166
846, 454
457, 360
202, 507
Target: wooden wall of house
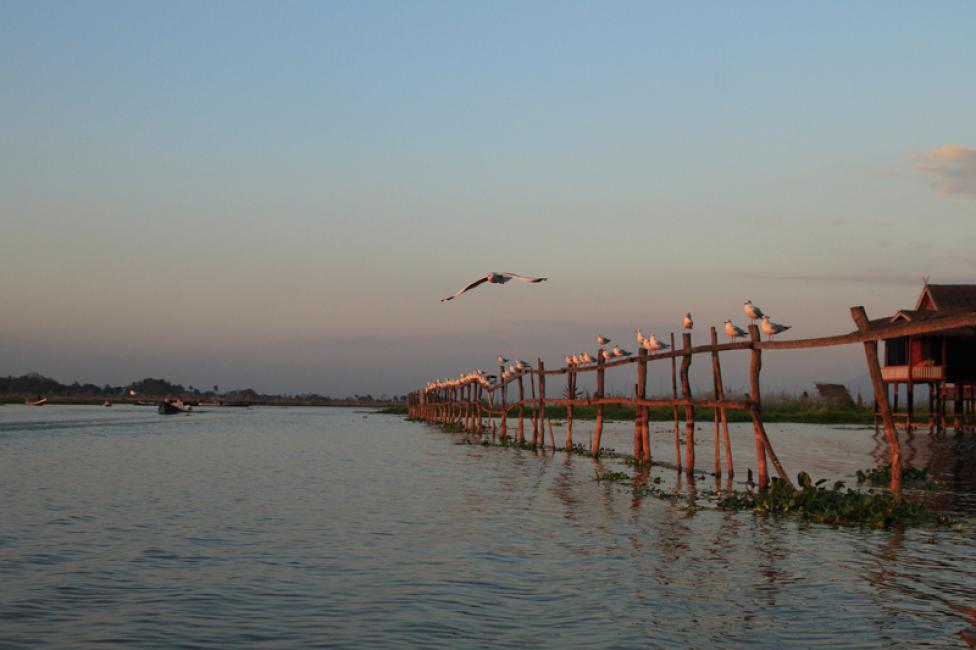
961, 366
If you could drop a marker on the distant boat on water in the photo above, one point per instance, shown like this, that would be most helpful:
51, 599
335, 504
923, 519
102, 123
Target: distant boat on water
40, 401
107, 403
167, 407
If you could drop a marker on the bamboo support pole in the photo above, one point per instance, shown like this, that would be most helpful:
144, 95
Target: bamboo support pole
570, 395
881, 394
689, 410
534, 410
755, 367
598, 432
521, 410
720, 396
674, 395
503, 425
642, 447
542, 403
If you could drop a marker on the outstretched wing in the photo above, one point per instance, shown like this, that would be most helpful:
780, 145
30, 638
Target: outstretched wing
523, 278
470, 286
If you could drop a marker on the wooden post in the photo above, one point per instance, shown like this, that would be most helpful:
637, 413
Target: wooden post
754, 367
598, 394
674, 396
542, 402
521, 410
720, 395
503, 426
910, 398
535, 410
689, 410
570, 395
874, 369
642, 430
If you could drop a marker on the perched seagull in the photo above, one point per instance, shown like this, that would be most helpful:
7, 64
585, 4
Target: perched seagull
653, 344
733, 330
606, 356
751, 311
502, 360
618, 352
640, 337
687, 323
586, 357
494, 278
602, 340
771, 328
568, 359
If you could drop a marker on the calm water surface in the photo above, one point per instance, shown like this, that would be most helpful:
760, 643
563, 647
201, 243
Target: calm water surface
335, 528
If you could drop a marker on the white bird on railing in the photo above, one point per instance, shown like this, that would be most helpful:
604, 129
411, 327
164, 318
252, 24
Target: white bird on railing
568, 359
687, 323
586, 357
641, 339
771, 328
502, 360
734, 331
494, 278
653, 344
619, 352
605, 355
602, 340
752, 311
521, 365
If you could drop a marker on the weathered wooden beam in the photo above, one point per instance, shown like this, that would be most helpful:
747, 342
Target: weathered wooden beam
598, 394
881, 395
674, 395
689, 410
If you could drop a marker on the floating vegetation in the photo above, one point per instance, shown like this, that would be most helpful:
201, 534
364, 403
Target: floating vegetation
835, 505
612, 476
910, 477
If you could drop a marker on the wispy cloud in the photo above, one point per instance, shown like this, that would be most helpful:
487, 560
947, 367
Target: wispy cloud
951, 169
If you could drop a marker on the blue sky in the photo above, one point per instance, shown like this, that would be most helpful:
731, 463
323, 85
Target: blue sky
276, 195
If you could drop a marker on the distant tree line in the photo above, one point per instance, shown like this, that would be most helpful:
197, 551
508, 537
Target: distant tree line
34, 385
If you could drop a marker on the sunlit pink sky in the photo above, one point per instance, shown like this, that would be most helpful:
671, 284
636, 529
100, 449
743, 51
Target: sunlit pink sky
277, 196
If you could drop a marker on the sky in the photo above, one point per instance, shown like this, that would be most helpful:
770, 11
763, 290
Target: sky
276, 195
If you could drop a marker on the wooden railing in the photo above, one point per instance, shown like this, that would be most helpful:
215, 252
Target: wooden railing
467, 401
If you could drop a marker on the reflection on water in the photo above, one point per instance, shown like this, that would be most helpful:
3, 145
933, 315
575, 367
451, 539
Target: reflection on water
318, 527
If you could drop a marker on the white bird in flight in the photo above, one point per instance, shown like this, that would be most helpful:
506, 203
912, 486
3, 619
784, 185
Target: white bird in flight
602, 340
771, 328
687, 323
751, 311
494, 278
733, 330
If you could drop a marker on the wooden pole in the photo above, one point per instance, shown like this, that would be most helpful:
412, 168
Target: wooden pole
571, 394
521, 411
874, 369
503, 426
720, 395
689, 410
535, 411
542, 402
599, 408
754, 367
642, 411
674, 394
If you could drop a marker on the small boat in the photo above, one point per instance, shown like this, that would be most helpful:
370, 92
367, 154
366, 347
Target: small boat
107, 404
40, 401
171, 408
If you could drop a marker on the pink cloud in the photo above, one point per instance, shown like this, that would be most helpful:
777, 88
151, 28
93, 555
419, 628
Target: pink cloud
951, 169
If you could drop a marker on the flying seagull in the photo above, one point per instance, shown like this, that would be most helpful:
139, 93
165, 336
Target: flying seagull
752, 311
494, 278
734, 331
687, 323
602, 340
771, 328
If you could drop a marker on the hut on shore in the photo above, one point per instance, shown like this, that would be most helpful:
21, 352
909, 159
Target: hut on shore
944, 362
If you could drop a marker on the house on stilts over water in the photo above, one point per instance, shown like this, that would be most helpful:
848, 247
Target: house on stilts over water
944, 362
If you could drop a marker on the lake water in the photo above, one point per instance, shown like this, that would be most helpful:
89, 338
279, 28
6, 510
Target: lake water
284, 528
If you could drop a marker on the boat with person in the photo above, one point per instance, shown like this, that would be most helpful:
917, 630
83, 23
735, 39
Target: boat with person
40, 401
172, 407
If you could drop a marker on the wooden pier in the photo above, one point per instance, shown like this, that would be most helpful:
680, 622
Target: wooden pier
466, 401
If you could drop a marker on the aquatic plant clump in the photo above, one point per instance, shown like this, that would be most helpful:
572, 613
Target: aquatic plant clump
910, 477
834, 505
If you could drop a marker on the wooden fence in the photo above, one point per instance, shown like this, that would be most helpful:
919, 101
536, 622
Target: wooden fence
468, 401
